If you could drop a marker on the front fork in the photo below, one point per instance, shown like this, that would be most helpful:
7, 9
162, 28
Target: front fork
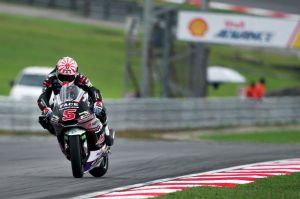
88, 142
65, 146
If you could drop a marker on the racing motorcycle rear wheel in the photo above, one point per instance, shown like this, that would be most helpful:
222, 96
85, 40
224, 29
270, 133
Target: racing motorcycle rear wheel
102, 169
75, 151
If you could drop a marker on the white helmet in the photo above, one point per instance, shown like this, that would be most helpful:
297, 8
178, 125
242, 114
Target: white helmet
66, 70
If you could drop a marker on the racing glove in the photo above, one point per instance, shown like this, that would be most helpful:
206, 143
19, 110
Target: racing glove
47, 112
98, 107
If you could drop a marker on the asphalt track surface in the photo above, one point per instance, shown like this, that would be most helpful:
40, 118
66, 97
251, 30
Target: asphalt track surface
35, 168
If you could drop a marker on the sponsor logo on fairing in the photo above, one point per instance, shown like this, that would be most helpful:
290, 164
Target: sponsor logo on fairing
84, 115
68, 105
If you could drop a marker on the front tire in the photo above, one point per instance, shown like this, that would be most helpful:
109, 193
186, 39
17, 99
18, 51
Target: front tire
101, 170
75, 152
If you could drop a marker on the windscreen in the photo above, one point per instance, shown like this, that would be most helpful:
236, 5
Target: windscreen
32, 80
70, 93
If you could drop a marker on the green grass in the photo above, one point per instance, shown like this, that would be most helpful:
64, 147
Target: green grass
254, 64
275, 136
278, 187
99, 51
27, 41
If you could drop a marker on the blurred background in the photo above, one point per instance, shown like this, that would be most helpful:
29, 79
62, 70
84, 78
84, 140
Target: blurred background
133, 51
106, 37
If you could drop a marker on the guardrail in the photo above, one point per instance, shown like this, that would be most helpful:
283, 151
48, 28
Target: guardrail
162, 114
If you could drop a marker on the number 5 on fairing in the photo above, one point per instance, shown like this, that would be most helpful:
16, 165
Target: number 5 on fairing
69, 114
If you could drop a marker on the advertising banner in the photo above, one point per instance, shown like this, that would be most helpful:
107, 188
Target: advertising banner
238, 30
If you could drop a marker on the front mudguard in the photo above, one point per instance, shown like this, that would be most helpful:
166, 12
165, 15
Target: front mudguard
74, 131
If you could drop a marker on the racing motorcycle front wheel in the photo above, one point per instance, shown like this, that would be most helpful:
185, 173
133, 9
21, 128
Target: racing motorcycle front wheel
75, 152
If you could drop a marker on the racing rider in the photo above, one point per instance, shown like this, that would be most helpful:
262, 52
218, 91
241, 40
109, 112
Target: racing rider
66, 72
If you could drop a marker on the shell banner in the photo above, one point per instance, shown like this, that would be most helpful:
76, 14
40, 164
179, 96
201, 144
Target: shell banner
238, 30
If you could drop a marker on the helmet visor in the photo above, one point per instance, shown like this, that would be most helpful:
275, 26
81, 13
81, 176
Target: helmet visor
66, 78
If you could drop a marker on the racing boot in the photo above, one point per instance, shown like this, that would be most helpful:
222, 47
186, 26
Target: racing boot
45, 123
109, 135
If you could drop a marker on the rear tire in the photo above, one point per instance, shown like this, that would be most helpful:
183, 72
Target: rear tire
102, 169
75, 151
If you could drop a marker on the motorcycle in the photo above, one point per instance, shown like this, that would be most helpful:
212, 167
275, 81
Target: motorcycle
79, 132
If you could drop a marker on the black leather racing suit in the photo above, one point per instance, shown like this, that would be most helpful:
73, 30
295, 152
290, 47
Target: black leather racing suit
51, 84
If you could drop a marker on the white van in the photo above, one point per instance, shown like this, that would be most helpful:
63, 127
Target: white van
29, 82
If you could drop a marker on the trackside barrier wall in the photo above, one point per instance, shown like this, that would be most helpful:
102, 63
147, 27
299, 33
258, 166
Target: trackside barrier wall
160, 114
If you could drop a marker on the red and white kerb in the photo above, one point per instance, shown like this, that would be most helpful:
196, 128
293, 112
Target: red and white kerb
67, 66
229, 177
